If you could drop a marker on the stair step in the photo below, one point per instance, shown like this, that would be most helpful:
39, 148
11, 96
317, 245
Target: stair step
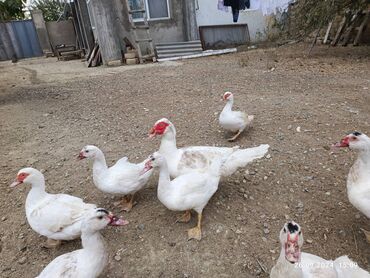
177, 54
179, 43
162, 47
176, 50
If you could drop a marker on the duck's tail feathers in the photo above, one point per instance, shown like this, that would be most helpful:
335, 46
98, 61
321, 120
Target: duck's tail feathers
241, 157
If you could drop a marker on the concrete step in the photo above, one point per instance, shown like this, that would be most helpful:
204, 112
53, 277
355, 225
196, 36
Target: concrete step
177, 54
178, 43
175, 49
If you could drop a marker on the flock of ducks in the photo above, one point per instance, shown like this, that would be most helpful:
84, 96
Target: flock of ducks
195, 173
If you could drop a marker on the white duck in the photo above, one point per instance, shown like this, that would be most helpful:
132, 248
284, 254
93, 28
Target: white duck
123, 178
187, 192
184, 160
90, 261
292, 263
358, 181
56, 216
234, 121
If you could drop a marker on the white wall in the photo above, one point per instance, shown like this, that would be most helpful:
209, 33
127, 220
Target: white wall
208, 14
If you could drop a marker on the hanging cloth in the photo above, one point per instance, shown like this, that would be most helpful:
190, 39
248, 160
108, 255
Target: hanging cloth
221, 6
236, 6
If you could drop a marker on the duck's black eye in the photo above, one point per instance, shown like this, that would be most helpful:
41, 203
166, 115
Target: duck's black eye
284, 230
300, 232
87, 151
100, 217
152, 159
356, 133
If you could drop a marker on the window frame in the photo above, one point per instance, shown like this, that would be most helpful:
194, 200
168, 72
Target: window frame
148, 13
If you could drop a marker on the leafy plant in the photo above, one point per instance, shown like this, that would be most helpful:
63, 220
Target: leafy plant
52, 10
10, 9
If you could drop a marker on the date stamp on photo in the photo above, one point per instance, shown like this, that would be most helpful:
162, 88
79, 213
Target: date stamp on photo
326, 265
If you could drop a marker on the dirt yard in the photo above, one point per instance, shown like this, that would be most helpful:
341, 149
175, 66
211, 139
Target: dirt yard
49, 110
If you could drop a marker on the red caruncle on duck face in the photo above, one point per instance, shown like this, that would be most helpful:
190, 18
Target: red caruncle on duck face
158, 129
227, 95
20, 179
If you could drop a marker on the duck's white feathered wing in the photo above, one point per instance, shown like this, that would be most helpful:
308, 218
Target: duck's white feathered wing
345, 267
63, 266
127, 177
59, 216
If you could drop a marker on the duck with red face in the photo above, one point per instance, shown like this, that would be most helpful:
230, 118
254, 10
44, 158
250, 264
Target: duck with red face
200, 158
358, 180
234, 121
55, 216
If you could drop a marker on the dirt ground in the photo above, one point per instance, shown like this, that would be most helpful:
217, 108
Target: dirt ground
49, 110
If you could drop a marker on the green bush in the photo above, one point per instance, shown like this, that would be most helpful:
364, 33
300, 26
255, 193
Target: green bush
51, 9
10, 9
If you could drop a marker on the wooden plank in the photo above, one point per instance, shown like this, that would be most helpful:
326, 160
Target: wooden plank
339, 31
327, 34
95, 60
361, 28
105, 14
89, 60
348, 33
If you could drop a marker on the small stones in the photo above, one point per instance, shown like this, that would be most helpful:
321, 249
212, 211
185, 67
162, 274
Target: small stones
342, 233
117, 258
309, 241
22, 260
266, 231
357, 216
4, 218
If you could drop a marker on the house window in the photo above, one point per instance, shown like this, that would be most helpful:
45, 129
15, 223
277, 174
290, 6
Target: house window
155, 9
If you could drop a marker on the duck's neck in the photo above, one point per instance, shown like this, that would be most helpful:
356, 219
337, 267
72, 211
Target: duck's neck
164, 178
99, 165
360, 171
93, 243
94, 253
283, 268
37, 191
364, 157
229, 105
168, 143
